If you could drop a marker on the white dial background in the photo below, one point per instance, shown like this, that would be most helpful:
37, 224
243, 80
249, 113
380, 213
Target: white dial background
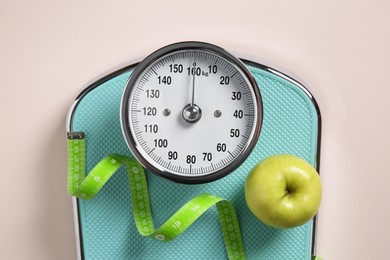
170, 143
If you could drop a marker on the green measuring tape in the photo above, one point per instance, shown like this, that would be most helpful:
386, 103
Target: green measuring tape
86, 187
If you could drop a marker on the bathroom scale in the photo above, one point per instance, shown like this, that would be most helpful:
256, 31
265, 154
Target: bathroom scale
195, 120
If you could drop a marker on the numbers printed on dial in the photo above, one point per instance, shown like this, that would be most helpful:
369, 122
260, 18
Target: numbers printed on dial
234, 132
221, 147
166, 80
207, 157
161, 143
236, 95
152, 93
172, 155
194, 70
191, 159
213, 69
150, 111
238, 114
151, 128
224, 80
176, 68
181, 147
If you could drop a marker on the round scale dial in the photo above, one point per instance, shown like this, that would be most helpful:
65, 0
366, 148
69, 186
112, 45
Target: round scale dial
191, 112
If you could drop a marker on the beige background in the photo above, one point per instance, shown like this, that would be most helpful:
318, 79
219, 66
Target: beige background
50, 50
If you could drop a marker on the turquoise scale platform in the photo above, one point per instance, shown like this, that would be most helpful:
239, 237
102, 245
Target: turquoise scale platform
291, 125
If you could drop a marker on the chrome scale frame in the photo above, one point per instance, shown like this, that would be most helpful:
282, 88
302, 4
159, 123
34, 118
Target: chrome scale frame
261, 64
146, 64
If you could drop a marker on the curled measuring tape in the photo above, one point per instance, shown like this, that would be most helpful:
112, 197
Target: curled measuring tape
87, 186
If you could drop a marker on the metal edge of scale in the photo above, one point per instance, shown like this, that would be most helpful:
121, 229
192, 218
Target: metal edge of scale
261, 64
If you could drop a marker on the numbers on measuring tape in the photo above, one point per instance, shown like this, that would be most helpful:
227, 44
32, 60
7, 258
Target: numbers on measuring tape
195, 207
176, 224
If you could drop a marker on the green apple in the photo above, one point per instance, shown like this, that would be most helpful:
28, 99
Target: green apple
283, 191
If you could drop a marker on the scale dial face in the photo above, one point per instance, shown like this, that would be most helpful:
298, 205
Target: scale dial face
191, 112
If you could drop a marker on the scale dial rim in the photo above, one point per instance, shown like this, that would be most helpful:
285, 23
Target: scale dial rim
124, 113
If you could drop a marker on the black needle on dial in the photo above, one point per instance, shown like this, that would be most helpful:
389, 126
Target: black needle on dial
193, 82
191, 112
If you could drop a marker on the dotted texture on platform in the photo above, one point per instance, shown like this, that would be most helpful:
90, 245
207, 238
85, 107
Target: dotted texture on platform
107, 224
